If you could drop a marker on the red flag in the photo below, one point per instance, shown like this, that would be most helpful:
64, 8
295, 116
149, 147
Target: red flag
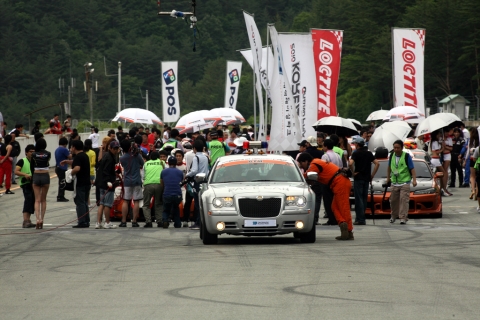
327, 53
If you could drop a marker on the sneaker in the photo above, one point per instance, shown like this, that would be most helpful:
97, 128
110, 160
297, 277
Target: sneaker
9, 192
109, 225
122, 225
98, 226
194, 227
166, 225
185, 224
135, 224
62, 200
403, 222
392, 220
147, 225
478, 209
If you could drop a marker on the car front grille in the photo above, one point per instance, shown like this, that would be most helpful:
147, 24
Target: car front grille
267, 208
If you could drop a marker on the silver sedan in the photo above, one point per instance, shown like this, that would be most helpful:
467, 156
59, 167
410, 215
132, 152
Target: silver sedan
256, 195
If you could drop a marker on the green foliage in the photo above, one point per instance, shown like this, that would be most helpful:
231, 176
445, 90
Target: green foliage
42, 41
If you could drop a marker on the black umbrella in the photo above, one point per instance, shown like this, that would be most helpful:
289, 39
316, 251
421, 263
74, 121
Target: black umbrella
336, 125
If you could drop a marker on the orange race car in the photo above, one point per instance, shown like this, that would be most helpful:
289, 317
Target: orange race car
425, 198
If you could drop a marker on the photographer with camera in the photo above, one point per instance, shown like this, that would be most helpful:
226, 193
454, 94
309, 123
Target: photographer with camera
400, 172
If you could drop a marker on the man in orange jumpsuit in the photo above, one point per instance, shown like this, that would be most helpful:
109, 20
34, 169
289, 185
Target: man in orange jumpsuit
330, 175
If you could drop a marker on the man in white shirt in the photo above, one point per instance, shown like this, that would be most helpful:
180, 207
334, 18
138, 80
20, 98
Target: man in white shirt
95, 137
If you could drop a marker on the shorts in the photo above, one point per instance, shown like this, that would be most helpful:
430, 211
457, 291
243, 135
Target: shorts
29, 196
472, 163
135, 193
436, 162
41, 179
447, 157
107, 197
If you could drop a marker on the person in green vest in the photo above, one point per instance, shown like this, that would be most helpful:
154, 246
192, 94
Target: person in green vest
151, 188
173, 141
338, 150
217, 149
400, 173
24, 169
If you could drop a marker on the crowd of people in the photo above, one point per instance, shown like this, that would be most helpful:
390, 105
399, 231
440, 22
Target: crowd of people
156, 168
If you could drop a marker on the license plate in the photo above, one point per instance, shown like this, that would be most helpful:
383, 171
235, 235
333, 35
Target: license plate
260, 223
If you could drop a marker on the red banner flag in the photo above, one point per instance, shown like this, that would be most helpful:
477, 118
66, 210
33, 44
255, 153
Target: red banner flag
327, 53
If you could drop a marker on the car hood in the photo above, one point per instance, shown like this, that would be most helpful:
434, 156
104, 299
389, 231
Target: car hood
422, 183
258, 188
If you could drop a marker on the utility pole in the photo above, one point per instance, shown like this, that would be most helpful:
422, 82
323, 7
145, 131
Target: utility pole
119, 86
88, 87
146, 96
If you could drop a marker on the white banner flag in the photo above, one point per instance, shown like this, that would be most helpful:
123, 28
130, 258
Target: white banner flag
266, 55
285, 132
171, 104
256, 46
300, 69
408, 65
234, 73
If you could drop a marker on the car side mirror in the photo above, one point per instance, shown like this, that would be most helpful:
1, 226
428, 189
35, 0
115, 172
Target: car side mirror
312, 176
438, 175
200, 178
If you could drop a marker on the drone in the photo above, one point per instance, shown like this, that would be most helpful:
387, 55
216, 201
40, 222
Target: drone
181, 14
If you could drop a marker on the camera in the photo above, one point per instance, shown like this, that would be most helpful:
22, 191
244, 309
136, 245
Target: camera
386, 184
185, 181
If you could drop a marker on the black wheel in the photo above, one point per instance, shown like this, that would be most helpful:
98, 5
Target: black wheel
201, 231
296, 235
208, 238
310, 236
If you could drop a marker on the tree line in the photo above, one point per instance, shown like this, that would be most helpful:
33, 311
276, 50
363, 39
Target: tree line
42, 41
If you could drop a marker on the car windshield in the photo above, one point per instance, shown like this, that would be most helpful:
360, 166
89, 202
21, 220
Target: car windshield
421, 170
255, 170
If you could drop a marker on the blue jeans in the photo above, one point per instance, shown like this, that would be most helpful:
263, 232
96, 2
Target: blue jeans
81, 201
170, 205
466, 179
360, 189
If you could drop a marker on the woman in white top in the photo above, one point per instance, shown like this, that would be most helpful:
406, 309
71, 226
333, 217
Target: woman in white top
437, 147
447, 156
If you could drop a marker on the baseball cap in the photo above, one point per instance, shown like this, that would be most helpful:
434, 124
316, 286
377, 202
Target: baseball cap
359, 140
313, 141
172, 160
303, 143
114, 144
214, 134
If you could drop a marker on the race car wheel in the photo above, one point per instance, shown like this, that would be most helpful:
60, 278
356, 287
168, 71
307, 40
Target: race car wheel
310, 236
296, 235
208, 238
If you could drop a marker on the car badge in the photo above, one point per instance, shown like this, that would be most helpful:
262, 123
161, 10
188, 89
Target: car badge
259, 198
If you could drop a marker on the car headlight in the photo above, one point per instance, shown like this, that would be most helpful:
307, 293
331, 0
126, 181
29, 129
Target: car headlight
298, 201
425, 191
223, 202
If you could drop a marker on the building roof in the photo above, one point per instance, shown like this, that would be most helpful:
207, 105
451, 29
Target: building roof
451, 97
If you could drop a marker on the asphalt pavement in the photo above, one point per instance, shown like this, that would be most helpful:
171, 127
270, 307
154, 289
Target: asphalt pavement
427, 269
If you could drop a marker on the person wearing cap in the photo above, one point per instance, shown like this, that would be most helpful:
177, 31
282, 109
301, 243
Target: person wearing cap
170, 179
217, 149
105, 180
361, 165
152, 189
312, 148
302, 147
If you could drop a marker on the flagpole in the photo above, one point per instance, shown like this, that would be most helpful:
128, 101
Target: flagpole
254, 107
393, 70
266, 86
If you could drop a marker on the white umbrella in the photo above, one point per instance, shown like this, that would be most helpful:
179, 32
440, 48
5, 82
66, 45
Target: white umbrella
137, 115
387, 134
229, 116
356, 123
377, 115
408, 114
336, 125
436, 122
194, 121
